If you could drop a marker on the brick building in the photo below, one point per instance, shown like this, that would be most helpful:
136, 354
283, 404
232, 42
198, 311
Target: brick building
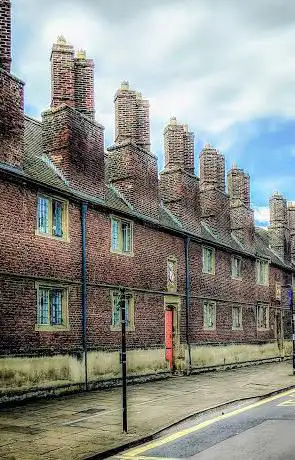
77, 222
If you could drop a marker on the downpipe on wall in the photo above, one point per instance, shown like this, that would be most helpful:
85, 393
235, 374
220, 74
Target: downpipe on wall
187, 303
84, 207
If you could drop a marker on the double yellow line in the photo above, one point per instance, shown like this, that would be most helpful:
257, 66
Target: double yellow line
136, 452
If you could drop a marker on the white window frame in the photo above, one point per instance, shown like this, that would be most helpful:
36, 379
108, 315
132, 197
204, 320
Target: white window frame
212, 327
240, 314
204, 249
120, 246
239, 263
262, 279
266, 307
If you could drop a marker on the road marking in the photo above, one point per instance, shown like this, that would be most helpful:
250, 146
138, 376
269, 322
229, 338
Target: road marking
289, 402
173, 437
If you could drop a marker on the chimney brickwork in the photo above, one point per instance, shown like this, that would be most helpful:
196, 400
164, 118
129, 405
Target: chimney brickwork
241, 216
72, 78
179, 187
214, 201
179, 146
84, 84
5, 35
212, 169
131, 167
239, 185
278, 228
291, 226
11, 97
75, 144
62, 73
132, 120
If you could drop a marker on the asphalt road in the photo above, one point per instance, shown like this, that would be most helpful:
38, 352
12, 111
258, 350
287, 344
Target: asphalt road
258, 430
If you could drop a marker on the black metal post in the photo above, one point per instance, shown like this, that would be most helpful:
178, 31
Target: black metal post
124, 361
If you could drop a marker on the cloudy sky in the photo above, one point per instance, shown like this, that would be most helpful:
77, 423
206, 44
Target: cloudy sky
225, 67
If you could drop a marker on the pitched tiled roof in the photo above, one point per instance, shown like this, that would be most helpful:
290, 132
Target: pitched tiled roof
38, 167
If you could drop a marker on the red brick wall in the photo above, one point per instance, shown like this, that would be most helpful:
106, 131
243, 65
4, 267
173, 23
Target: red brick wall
76, 145
28, 255
134, 173
11, 119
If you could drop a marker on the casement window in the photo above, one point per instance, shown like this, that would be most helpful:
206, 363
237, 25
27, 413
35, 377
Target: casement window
277, 290
237, 317
52, 217
171, 274
116, 310
122, 236
262, 271
52, 307
209, 315
236, 267
262, 317
208, 260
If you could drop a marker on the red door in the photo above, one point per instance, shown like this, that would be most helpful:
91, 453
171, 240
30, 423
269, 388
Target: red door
169, 336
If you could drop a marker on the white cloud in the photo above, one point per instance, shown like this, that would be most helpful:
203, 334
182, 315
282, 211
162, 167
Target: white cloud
261, 214
212, 64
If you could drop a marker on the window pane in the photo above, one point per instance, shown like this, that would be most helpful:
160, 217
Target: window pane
43, 307
43, 215
127, 302
57, 218
56, 306
116, 315
126, 236
115, 234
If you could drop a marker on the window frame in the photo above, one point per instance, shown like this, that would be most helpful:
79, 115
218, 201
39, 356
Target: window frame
204, 249
239, 259
266, 307
240, 327
117, 327
205, 304
120, 237
64, 218
172, 287
65, 326
258, 272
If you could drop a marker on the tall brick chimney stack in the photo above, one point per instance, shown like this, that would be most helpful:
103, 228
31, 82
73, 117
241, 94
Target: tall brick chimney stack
131, 167
71, 137
291, 226
239, 185
132, 119
278, 228
84, 84
212, 169
179, 187
214, 201
11, 97
62, 73
241, 215
5, 35
179, 146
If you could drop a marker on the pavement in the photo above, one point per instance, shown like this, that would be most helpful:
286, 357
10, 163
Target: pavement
256, 430
78, 426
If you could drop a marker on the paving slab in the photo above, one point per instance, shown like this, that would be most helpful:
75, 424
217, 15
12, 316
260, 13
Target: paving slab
78, 426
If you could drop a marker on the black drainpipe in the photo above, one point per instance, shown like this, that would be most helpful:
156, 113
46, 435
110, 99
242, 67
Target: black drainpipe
84, 287
187, 301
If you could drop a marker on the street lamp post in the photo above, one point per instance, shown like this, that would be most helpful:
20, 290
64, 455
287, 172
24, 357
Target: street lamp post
123, 359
